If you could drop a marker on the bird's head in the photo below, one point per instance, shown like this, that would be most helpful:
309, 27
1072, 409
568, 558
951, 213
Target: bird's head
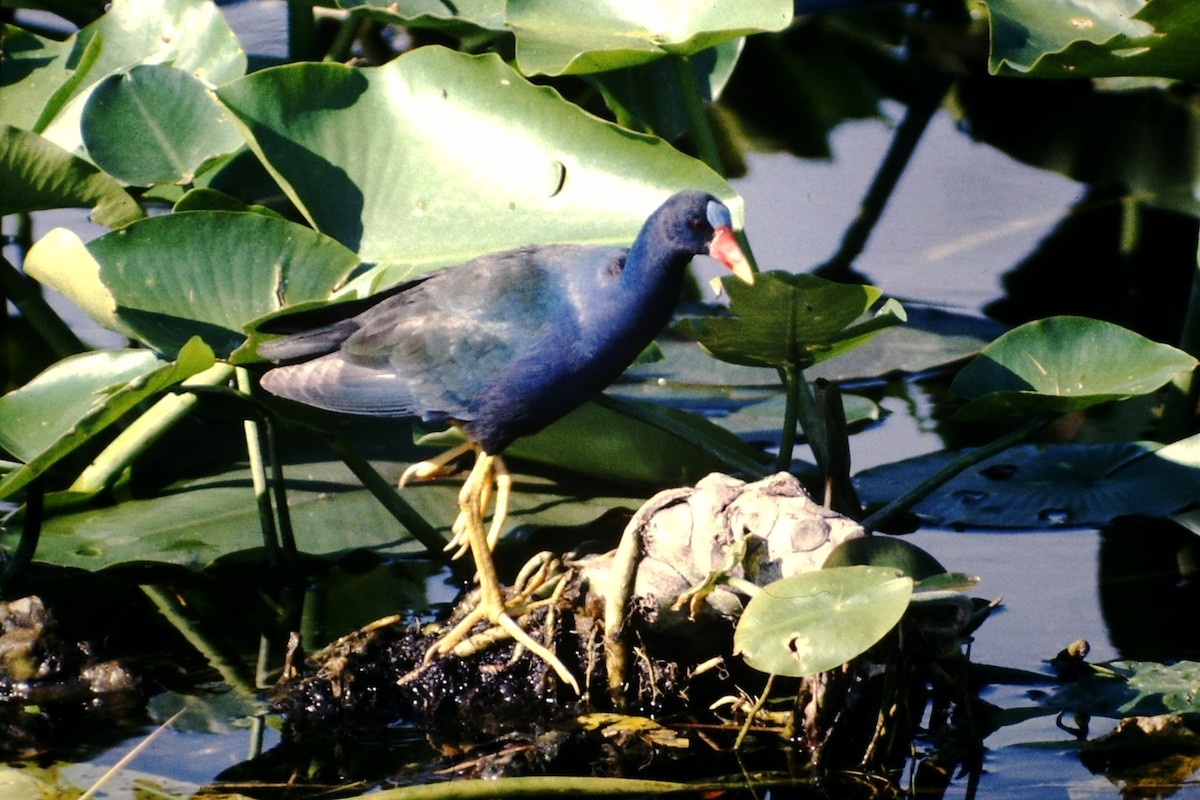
701, 223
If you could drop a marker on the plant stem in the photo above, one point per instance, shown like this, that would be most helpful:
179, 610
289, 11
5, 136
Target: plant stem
791, 402
698, 122
258, 476
144, 431
31, 531
302, 32
939, 478
386, 493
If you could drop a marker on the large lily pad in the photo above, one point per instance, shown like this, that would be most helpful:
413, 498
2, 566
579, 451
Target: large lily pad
819, 620
475, 159
629, 443
1061, 364
79, 397
155, 124
486, 14
200, 273
790, 321
194, 520
1069, 39
555, 38
1033, 486
38, 174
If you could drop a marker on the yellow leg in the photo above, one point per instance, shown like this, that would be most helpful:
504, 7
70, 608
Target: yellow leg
492, 606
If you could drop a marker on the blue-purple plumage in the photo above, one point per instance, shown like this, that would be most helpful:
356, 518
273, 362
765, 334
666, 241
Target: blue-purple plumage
505, 343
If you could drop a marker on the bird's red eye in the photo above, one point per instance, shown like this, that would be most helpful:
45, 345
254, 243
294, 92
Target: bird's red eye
697, 224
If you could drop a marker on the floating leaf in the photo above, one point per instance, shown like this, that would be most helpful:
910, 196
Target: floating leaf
80, 396
486, 14
38, 174
787, 320
476, 159
629, 443
1033, 486
193, 513
1128, 688
155, 124
1069, 39
596, 35
885, 551
819, 620
1061, 364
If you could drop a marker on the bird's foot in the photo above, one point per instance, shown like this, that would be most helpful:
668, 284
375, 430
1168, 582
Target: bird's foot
541, 575
436, 467
474, 499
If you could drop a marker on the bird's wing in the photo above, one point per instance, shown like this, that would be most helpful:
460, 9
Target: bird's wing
431, 349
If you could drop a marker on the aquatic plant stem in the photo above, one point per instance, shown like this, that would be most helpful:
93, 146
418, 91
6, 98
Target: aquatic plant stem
387, 494
144, 431
965, 460
277, 556
31, 531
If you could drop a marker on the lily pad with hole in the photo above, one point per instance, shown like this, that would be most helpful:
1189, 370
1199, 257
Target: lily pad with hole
816, 621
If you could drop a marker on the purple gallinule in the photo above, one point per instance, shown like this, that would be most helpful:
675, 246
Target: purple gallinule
502, 346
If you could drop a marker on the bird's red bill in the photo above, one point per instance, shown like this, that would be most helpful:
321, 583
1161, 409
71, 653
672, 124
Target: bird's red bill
725, 249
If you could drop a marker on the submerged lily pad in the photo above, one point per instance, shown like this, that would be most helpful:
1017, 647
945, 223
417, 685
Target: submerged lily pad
1034, 486
1061, 364
816, 621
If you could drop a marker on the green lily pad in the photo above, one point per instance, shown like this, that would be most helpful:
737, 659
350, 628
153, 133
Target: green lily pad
1033, 486
790, 321
649, 97
77, 398
486, 14
190, 35
155, 124
476, 159
38, 174
1133, 688
225, 269
554, 38
208, 514
886, 551
819, 620
628, 443
1066, 39
1061, 364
